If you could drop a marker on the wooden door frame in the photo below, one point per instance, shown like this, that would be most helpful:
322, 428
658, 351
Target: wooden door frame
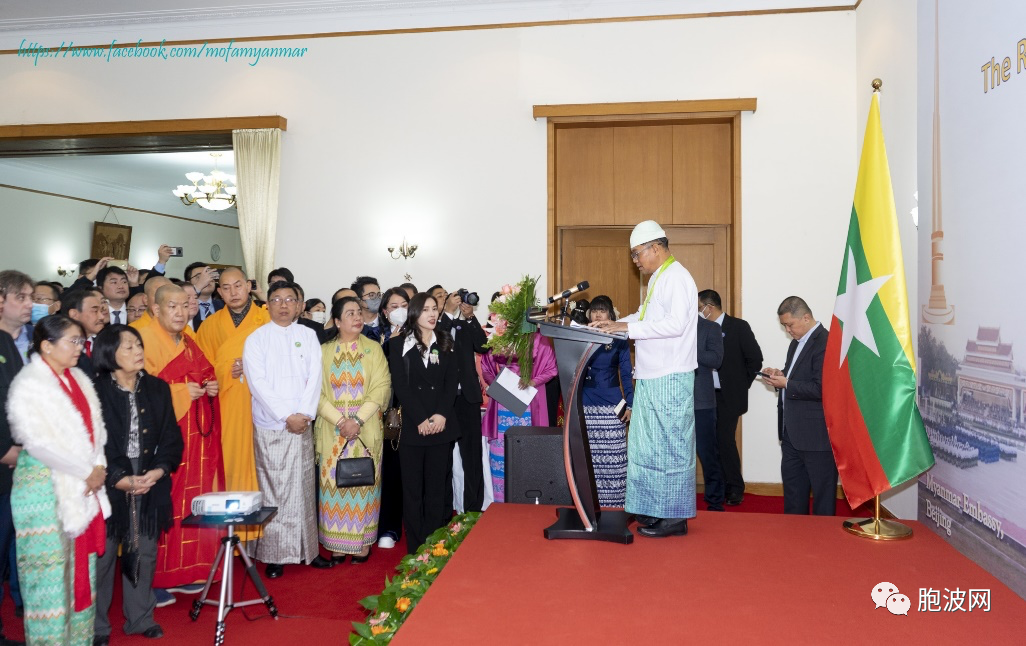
651, 111
111, 137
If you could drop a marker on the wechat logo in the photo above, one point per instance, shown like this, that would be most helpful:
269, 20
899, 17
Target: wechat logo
886, 595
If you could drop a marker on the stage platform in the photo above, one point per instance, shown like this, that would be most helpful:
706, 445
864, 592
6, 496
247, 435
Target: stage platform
734, 579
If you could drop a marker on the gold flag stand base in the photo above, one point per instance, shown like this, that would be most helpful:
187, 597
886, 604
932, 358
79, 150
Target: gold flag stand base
876, 528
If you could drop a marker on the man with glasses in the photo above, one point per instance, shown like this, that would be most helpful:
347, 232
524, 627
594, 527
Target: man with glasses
45, 301
85, 307
17, 289
369, 293
283, 368
203, 280
661, 443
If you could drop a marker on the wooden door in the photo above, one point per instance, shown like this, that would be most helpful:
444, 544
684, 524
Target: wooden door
601, 255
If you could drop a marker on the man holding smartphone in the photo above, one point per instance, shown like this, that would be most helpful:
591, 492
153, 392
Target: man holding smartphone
204, 281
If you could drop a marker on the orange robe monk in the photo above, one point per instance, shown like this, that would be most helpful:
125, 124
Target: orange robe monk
185, 554
223, 343
147, 319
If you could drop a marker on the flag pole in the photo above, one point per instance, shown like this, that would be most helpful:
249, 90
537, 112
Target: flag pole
876, 528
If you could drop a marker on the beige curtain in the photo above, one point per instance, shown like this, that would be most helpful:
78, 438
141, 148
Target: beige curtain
257, 165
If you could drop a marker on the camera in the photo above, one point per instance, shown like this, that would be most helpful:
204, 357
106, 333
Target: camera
468, 297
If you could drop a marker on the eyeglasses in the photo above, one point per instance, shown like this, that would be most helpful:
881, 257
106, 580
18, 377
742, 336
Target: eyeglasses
637, 254
74, 340
43, 300
136, 310
371, 295
288, 300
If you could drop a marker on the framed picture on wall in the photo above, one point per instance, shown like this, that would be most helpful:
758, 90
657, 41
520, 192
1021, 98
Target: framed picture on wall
111, 241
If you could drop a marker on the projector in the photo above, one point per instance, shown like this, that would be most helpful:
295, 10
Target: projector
227, 503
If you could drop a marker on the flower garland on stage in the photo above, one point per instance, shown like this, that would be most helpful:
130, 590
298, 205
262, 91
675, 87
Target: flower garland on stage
512, 335
417, 572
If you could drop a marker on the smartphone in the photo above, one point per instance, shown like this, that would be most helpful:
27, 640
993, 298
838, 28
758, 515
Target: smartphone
763, 375
176, 252
252, 284
123, 264
620, 409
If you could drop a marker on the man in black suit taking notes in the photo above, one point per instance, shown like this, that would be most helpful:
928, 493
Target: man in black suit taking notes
807, 461
742, 360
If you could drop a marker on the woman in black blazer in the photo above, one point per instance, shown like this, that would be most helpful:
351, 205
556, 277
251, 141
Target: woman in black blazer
424, 379
144, 446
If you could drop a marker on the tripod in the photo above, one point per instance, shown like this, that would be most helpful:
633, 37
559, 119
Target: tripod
225, 561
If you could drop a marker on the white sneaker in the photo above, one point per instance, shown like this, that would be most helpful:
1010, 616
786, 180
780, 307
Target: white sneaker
386, 542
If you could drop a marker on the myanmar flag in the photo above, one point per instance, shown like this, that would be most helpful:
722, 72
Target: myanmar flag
869, 371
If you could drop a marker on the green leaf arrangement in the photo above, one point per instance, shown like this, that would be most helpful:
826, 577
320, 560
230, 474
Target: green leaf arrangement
416, 572
512, 335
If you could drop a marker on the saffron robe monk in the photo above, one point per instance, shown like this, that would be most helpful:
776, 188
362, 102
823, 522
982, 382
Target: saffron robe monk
185, 554
150, 287
222, 337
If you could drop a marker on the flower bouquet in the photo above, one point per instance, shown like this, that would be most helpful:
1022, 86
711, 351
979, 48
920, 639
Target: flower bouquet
416, 572
512, 336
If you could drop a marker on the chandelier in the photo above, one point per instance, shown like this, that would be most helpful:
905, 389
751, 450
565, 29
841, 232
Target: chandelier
216, 193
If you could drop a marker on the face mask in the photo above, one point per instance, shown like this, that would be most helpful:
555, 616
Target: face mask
39, 311
319, 317
397, 316
374, 304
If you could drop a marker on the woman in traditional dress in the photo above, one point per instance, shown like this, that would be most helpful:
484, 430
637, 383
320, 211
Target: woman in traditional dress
58, 500
356, 388
498, 419
607, 382
424, 375
144, 447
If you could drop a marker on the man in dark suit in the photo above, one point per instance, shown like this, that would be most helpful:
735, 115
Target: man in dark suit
202, 279
469, 338
10, 364
710, 355
807, 462
86, 307
742, 360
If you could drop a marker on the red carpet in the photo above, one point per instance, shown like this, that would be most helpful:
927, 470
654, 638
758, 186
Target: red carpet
310, 602
735, 578
315, 607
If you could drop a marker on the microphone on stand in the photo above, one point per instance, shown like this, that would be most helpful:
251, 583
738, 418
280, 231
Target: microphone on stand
580, 287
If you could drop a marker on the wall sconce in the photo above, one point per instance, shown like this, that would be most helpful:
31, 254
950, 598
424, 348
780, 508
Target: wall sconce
66, 270
405, 250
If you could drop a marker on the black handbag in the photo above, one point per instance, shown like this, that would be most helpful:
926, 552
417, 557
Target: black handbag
354, 472
392, 423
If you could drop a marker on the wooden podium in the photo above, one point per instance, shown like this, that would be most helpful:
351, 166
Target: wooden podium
575, 346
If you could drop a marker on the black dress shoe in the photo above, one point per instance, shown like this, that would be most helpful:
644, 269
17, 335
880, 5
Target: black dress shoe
734, 500
156, 632
645, 521
666, 527
714, 507
274, 570
360, 559
339, 558
321, 563
97, 641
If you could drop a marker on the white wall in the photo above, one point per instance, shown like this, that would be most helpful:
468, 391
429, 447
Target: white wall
42, 232
886, 49
430, 136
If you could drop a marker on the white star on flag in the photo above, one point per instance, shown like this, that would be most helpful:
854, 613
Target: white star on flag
851, 307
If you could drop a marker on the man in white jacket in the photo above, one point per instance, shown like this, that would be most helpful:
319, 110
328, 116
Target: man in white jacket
661, 443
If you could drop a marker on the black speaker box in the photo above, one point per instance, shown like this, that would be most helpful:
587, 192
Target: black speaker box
534, 466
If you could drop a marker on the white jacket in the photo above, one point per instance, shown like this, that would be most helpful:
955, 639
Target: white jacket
47, 425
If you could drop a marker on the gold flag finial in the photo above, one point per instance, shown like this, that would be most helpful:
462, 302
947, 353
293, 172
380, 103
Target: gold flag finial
877, 84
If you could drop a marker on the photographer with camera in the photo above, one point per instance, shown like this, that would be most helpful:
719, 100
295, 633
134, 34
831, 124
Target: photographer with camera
469, 337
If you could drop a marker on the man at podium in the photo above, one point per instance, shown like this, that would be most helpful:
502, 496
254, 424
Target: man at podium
661, 444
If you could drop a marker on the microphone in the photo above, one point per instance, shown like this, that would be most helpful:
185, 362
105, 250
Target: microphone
580, 287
